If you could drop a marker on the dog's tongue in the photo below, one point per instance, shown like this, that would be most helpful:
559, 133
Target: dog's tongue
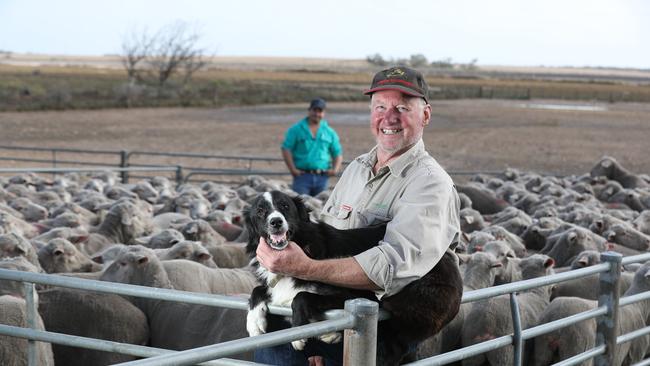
275, 238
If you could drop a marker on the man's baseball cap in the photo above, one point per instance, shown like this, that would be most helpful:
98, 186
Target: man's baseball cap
400, 78
317, 103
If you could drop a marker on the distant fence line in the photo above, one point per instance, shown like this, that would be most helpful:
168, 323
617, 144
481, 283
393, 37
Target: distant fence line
179, 166
535, 92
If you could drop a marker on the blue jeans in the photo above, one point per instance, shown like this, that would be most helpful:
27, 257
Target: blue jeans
311, 184
285, 355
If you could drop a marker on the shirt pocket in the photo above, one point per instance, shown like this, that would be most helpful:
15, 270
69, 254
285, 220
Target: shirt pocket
371, 218
336, 216
302, 146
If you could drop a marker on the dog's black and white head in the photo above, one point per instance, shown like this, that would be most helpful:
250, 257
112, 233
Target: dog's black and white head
274, 216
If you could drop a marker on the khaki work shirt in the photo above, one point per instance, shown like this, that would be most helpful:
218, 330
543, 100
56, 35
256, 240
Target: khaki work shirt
418, 200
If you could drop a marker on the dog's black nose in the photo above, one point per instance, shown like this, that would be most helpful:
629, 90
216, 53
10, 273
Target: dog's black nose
276, 222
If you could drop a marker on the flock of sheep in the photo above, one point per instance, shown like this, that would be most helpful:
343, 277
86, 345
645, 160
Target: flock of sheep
190, 237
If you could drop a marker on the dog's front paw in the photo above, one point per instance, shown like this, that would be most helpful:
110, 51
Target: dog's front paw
256, 320
299, 344
334, 337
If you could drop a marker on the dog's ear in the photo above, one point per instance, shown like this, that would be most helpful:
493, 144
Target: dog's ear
303, 211
253, 234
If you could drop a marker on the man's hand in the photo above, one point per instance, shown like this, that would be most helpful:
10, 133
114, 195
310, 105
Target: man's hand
291, 261
296, 172
316, 361
332, 172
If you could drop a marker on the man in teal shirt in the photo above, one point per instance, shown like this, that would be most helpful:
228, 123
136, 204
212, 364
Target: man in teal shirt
312, 151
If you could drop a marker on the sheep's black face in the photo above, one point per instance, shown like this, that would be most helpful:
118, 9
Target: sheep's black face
275, 216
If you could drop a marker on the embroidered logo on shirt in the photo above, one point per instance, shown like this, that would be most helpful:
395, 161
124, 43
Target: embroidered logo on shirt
381, 205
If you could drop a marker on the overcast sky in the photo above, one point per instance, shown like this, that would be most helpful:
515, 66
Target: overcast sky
496, 32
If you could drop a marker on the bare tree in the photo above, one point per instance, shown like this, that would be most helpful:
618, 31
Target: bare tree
176, 48
418, 60
136, 47
173, 49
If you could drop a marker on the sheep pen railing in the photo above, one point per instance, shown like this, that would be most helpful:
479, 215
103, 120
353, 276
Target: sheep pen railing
359, 315
185, 167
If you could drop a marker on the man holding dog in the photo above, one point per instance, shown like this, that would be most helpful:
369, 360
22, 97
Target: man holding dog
397, 182
312, 151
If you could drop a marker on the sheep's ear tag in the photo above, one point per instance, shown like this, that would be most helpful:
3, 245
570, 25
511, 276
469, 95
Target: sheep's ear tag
469, 219
606, 163
647, 274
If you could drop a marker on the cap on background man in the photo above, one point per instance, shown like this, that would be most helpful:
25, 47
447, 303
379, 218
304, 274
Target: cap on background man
317, 103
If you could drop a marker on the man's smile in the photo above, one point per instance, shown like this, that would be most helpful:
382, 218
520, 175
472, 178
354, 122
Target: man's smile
391, 131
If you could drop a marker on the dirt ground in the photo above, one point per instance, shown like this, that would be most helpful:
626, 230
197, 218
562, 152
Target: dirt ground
465, 135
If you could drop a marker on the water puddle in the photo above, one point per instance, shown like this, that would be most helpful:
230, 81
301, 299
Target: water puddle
564, 107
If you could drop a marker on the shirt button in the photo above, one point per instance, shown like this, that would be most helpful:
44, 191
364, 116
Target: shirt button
370, 186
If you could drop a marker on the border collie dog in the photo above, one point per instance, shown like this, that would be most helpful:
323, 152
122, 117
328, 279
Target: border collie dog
418, 311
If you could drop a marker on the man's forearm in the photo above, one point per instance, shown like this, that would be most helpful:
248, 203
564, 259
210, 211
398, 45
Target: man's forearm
344, 272
288, 160
338, 161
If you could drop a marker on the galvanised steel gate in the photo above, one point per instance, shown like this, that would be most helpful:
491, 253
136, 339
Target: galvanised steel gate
359, 318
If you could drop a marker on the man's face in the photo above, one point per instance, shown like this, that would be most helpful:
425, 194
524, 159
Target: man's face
315, 115
397, 120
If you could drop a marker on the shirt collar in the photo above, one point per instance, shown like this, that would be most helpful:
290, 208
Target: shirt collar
305, 123
398, 165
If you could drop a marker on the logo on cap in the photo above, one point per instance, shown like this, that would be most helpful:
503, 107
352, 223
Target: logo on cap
395, 72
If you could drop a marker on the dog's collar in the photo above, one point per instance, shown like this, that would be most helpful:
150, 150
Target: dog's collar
274, 281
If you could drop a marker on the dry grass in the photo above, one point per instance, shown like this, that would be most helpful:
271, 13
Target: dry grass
41, 82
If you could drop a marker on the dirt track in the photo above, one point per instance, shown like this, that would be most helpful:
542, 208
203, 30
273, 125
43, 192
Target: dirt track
464, 134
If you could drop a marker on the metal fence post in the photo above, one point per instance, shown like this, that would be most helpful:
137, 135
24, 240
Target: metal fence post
30, 303
607, 325
53, 162
124, 163
360, 343
179, 175
516, 326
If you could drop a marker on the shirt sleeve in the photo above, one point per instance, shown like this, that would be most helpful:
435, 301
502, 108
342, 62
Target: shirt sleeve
425, 222
335, 147
289, 139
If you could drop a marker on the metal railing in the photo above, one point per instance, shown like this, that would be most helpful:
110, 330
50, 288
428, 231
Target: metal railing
187, 165
360, 316
606, 314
